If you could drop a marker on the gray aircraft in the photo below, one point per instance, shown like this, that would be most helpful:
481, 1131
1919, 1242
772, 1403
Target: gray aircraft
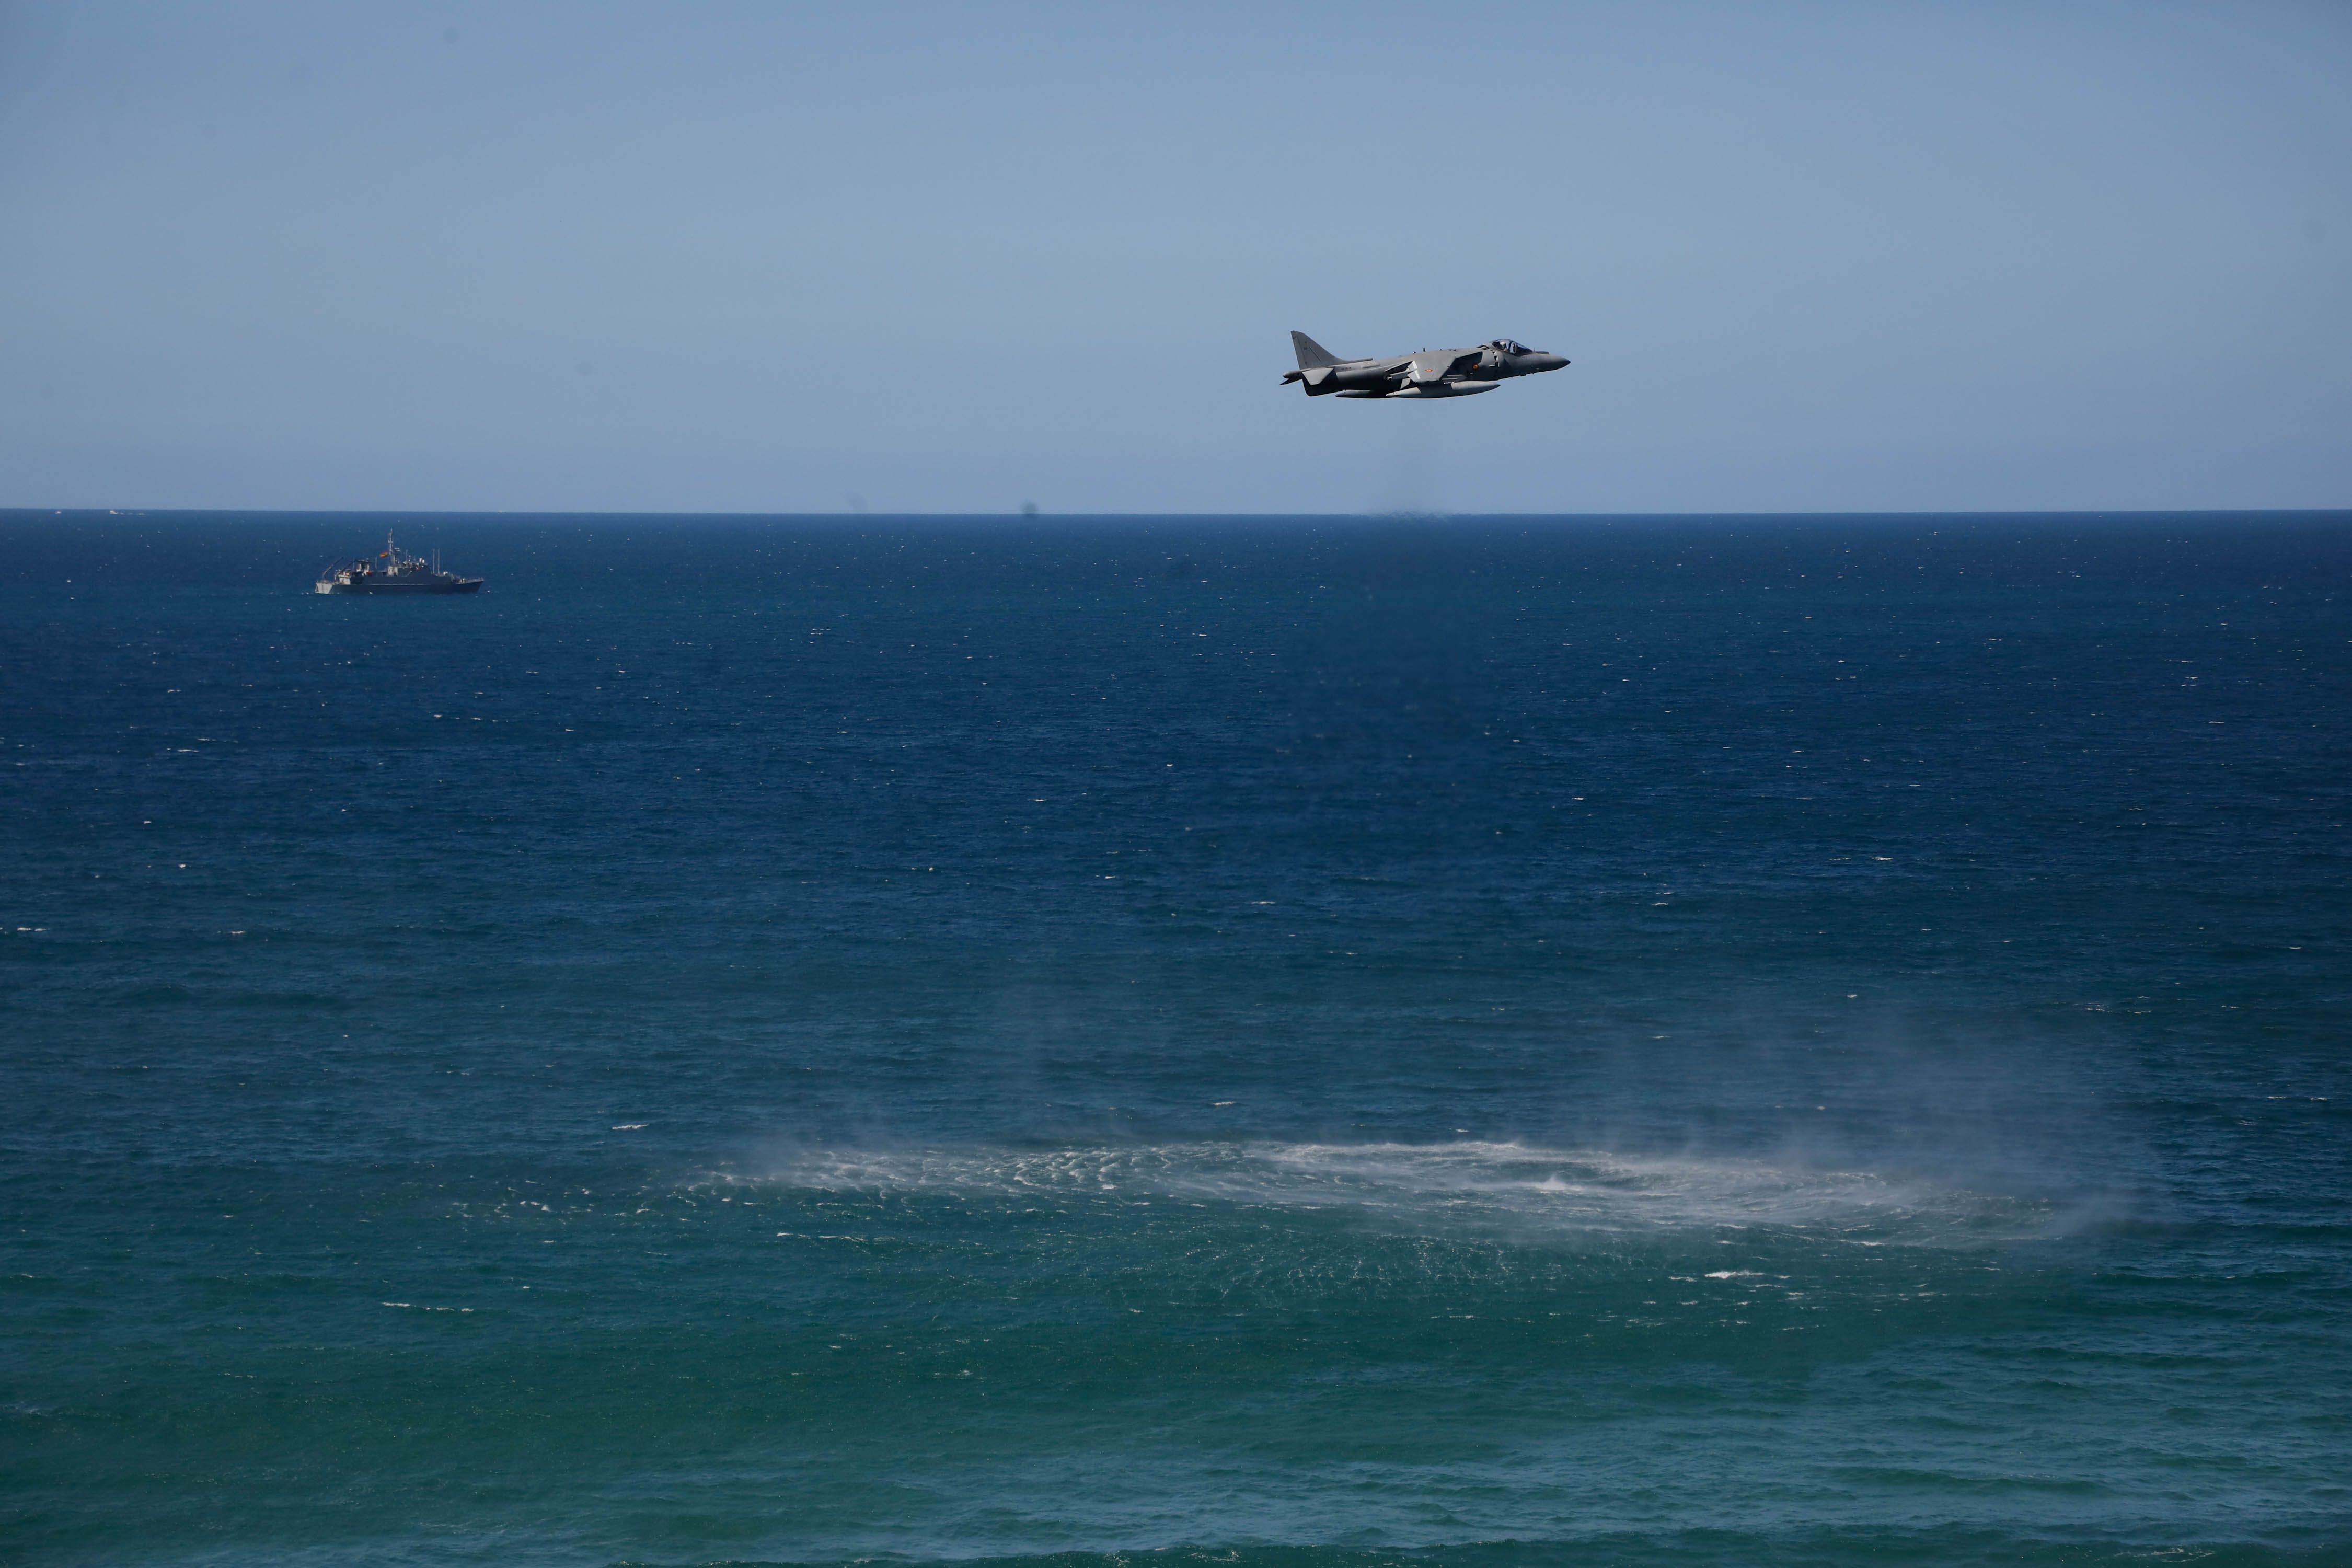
1433, 372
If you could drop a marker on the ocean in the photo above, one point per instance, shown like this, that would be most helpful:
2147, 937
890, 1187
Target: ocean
1300, 1042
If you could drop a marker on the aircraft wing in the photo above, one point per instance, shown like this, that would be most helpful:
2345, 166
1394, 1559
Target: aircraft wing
1428, 366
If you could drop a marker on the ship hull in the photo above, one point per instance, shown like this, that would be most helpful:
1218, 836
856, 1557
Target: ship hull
455, 585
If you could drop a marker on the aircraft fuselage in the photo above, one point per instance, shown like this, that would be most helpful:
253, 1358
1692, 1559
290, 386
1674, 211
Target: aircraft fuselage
1431, 372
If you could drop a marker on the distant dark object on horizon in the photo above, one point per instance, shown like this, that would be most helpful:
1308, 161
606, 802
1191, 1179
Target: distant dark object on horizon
394, 572
1432, 373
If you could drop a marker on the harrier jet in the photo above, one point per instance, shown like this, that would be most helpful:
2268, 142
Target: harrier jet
1433, 372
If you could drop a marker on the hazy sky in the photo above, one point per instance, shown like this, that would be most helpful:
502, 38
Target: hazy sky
951, 259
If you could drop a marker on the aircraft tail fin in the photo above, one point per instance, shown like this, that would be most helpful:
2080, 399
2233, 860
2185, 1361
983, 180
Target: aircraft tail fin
1312, 355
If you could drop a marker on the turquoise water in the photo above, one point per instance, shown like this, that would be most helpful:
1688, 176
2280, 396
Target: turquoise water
1280, 1042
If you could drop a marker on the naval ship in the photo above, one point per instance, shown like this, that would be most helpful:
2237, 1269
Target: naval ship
394, 572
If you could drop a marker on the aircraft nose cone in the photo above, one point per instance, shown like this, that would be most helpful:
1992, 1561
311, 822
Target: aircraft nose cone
1548, 361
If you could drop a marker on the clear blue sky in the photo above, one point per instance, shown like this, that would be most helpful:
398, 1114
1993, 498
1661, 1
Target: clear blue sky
949, 259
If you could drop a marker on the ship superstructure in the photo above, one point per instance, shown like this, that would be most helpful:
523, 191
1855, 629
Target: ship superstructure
393, 572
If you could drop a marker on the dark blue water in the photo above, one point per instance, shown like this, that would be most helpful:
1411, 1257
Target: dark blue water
1279, 1042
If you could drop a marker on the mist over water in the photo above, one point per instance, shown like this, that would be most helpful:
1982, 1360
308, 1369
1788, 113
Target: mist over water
1297, 1042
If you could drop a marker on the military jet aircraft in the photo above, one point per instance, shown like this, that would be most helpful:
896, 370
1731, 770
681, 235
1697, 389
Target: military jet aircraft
1433, 372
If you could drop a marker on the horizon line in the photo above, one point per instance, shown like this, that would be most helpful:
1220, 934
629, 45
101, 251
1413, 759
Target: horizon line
13, 513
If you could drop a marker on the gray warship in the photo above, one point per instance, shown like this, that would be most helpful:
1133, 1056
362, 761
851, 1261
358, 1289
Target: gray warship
394, 572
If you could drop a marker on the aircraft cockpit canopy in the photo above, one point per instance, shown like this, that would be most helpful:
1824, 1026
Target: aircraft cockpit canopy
1507, 346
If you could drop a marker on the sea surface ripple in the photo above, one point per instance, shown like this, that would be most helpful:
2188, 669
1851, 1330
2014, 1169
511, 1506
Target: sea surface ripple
1295, 1043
